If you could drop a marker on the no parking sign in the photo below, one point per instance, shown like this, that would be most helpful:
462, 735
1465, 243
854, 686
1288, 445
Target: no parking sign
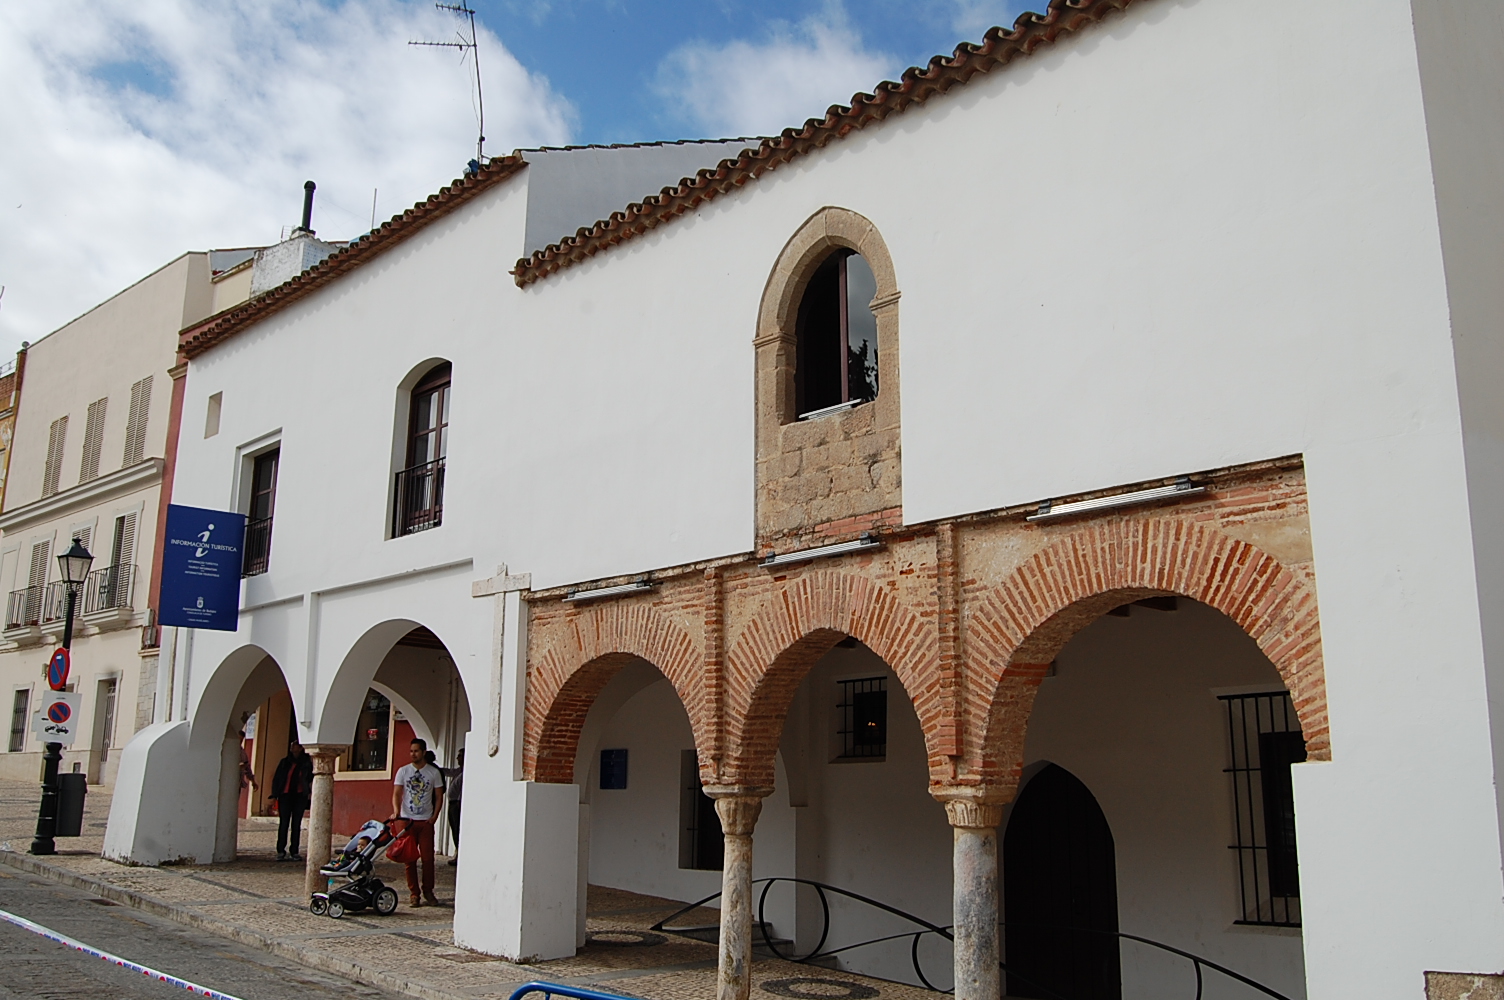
57, 669
57, 719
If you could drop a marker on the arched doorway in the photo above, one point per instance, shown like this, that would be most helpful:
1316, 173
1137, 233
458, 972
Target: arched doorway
647, 826
1137, 763
1060, 898
399, 683
854, 775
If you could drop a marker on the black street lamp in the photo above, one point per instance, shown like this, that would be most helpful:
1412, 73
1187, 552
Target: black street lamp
74, 565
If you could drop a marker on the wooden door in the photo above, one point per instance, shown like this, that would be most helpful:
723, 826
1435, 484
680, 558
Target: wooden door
1060, 893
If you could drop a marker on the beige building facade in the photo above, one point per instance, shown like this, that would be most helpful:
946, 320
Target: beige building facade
86, 460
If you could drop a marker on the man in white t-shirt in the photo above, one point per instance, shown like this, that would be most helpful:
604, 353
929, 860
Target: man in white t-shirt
417, 795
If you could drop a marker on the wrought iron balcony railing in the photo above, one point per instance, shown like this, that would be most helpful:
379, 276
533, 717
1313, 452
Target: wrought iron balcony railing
104, 590
418, 502
257, 554
25, 607
107, 589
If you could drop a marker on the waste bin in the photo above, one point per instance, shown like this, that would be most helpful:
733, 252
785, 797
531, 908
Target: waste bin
70, 804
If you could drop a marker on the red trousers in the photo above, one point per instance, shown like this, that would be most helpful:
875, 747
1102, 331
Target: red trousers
423, 830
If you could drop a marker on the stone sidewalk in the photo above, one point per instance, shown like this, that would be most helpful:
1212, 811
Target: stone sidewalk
260, 902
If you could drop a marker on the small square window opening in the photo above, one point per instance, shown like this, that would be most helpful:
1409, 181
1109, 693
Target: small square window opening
863, 714
614, 769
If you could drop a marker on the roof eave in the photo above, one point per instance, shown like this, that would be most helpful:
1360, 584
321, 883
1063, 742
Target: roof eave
200, 337
917, 85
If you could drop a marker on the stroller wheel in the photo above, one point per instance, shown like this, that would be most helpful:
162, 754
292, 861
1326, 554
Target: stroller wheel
386, 902
318, 906
336, 909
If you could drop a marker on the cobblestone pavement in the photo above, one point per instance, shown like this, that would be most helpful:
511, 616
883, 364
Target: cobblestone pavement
33, 967
259, 902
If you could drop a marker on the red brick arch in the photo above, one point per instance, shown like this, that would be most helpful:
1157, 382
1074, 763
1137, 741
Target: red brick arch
1018, 627
563, 683
794, 627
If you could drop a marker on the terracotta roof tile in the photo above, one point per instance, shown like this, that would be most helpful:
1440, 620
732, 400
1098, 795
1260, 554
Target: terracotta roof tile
998, 47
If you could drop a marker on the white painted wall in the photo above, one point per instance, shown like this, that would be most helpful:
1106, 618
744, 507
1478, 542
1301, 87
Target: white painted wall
1458, 45
1188, 237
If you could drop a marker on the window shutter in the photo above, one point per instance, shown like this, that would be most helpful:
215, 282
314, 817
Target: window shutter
125, 540
36, 582
39, 553
84, 536
50, 472
93, 439
135, 424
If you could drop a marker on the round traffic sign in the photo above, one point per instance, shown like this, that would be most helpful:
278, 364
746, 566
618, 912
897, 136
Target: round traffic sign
59, 712
57, 669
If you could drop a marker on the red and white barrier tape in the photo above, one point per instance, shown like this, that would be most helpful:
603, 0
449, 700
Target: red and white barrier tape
89, 949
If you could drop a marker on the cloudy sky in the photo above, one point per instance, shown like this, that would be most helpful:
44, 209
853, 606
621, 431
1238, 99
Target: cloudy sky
133, 130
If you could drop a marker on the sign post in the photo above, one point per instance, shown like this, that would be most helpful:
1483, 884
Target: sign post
57, 723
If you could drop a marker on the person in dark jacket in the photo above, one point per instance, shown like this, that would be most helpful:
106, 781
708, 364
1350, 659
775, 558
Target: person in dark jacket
292, 784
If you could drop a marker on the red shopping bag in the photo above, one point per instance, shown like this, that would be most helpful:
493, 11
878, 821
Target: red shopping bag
404, 850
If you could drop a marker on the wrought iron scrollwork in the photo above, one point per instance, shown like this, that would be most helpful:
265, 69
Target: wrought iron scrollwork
926, 928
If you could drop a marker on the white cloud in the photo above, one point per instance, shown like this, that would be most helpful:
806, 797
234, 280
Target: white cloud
137, 129
760, 88
970, 18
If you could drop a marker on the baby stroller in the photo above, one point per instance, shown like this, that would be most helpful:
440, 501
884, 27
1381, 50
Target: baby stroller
356, 865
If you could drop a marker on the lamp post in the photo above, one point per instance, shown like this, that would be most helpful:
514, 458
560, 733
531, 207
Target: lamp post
75, 565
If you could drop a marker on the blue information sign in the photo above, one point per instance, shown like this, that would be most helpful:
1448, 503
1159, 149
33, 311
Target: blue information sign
201, 568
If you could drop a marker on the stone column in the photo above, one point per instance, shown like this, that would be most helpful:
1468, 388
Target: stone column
738, 808
320, 814
975, 904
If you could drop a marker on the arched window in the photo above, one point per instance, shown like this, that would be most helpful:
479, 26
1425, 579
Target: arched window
419, 494
836, 334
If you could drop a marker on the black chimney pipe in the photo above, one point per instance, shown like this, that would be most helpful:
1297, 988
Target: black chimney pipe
308, 188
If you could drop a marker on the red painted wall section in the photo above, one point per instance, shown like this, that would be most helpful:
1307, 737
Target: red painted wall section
355, 802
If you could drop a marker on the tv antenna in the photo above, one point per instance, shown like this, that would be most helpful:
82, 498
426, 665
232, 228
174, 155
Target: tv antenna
471, 47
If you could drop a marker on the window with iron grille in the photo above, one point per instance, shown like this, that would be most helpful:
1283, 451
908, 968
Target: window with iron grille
863, 709
18, 720
419, 494
1264, 739
258, 522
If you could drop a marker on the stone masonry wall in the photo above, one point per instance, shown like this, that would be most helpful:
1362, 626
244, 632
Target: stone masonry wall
839, 475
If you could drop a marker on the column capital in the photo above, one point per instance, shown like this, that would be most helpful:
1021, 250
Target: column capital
324, 755
973, 807
738, 806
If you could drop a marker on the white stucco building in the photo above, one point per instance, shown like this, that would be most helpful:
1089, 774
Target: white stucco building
1239, 254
